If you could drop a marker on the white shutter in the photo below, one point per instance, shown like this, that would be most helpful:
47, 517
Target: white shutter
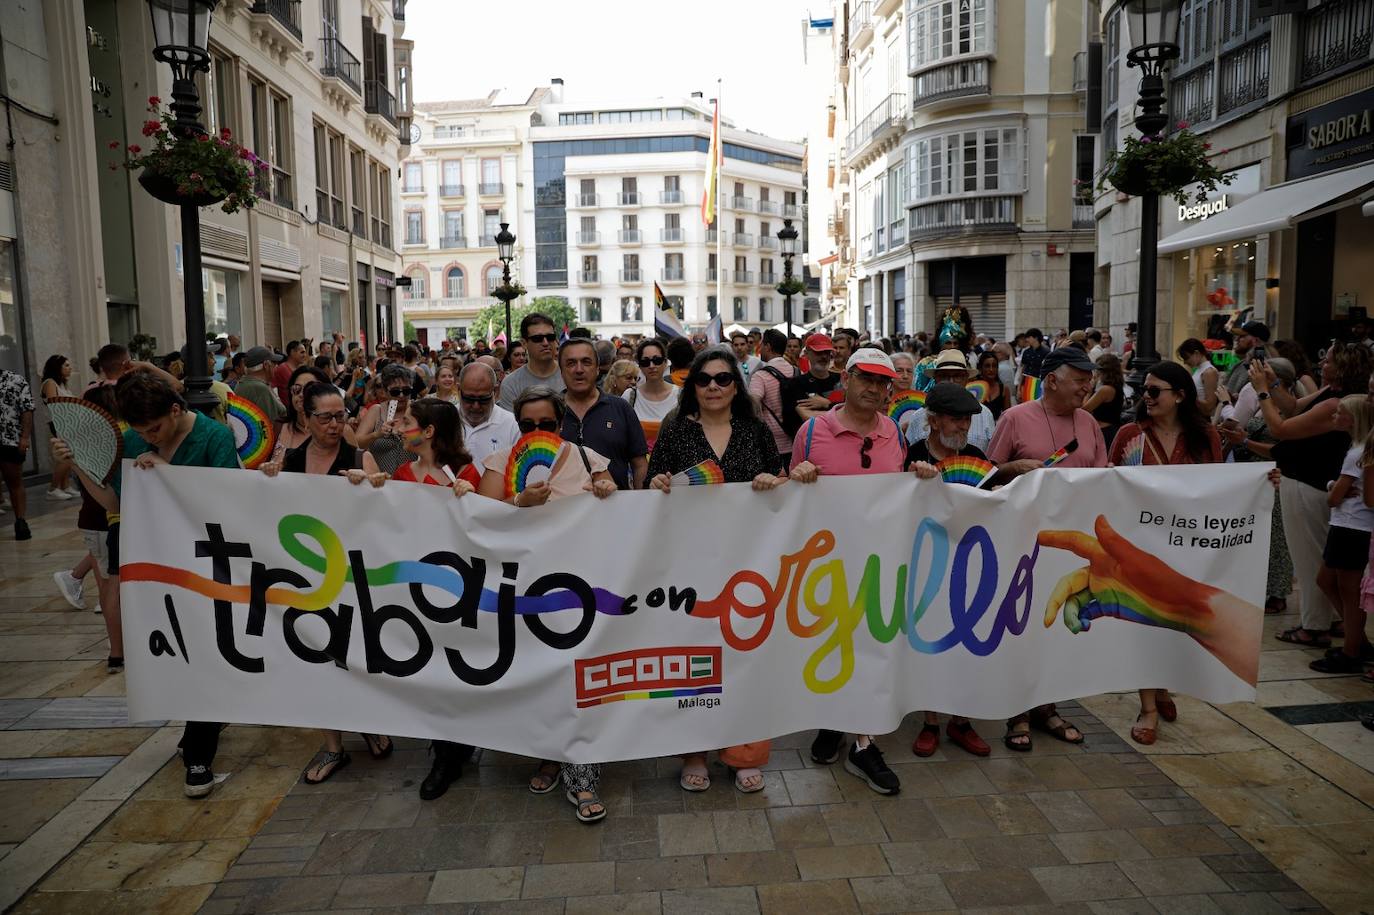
988, 312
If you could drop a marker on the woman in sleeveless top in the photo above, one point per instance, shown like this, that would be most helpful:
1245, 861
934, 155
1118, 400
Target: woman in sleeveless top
1205, 375
57, 374
1109, 396
999, 395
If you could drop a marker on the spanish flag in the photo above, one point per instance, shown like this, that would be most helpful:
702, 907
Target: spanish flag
708, 195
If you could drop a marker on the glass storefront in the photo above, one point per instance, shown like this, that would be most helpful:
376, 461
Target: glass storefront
11, 331
222, 313
1211, 285
332, 309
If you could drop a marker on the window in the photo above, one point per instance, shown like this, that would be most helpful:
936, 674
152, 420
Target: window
763, 196
419, 283
765, 230
628, 117
672, 182
217, 93
672, 222
766, 274
221, 301
381, 204
329, 177
629, 272
332, 303
491, 224
413, 179
453, 177
943, 29
1085, 148
587, 186
739, 308
765, 309
1195, 28
453, 228
455, 283
739, 226
415, 227
672, 266
711, 307
577, 117
988, 160
491, 173
629, 185
789, 198
590, 269
630, 222
678, 304
741, 263
493, 278
271, 114
591, 310
632, 308
357, 191
1111, 84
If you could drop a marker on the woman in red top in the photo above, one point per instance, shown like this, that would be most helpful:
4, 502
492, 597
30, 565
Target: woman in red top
1170, 428
433, 431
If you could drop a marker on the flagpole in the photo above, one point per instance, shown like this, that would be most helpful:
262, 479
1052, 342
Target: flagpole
718, 152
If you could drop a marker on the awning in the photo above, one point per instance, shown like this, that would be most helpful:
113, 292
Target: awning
1280, 207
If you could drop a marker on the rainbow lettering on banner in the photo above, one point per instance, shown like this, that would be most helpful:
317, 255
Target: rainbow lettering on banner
978, 389
966, 469
904, 403
706, 473
253, 437
1031, 389
537, 449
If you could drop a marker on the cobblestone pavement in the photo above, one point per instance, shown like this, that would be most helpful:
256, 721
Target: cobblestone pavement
1239, 808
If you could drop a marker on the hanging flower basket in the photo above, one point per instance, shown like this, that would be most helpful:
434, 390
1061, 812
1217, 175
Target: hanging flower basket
195, 169
793, 286
1164, 166
508, 292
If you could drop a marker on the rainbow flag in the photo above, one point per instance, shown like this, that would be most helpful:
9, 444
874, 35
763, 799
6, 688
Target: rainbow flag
904, 403
666, 324
713, 157
978, 389
706, 473
968, 470
1031, 388
1062, 453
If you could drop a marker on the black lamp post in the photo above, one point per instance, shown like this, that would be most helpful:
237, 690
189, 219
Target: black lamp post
505, 250
1154, 36
787, 240
181, 33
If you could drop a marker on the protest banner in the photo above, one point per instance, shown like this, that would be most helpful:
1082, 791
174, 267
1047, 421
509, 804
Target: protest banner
650, 624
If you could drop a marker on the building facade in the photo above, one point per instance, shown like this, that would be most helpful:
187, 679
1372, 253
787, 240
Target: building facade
317, 88
606, 202
964, 131
1284, 92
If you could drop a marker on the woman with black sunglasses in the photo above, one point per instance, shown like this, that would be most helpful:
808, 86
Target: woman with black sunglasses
295, 428
716, 421
653, 398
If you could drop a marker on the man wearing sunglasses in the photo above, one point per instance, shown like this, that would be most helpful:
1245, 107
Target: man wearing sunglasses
541, 345
607, 425
487, 427
856, 437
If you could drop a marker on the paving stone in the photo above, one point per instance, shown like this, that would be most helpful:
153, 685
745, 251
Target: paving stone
1011, 886
715, 900
368, 890
827, 896
749, 868
812, 786
1117, 808
1172, 877
299, 894
483, 884
686, 834
908, 820
1098, 846
742, 830
341, 853
509, 844
797, 827
933, 856
962, 777
855, 823
566, 843
909, 893
546, 881
1181, 841
1066, 811
1251, 904
1083, 882
1014, 814
961, 817
993, 852
456, 848
620, 904
1193, 904
521, 907
660, 874
841, 862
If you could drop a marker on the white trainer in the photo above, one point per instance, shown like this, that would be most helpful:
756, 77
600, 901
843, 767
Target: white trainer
70, 588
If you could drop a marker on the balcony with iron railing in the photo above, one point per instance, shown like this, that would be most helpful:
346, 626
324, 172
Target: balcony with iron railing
488, 241
672, 275
628, 198
1243, 76
378, 100
861, 25
671, 236
452, 190
454, 241
744, 277
588, 239
743, 240
712, 274
768, 243
714, 235
968, 216
670, 197
896, 233
631, 237
884, 121
491, 189
768, 279
631, 276
791, 211
286, 14
770, 208
1083, 213
738, 202
956, 79
337, 62
1334, 37
1080, 71
398, 10
1191, 95
584, 200
589, 277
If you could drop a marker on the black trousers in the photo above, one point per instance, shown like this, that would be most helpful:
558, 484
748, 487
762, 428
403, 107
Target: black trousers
452, 753
199, 742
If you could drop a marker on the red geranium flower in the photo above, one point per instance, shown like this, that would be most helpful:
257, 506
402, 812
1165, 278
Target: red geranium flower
154, 100
151, 127
114, 144
135, 149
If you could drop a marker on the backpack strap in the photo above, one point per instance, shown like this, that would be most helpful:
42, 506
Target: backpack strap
810, 430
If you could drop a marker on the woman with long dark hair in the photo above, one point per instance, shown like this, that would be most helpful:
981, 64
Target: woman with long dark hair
1169, 429
1205, 375
1294, 352
999, 395
716, 420
1310, 450
295, 428
432, 430
653, 398
57, 374
1108, 397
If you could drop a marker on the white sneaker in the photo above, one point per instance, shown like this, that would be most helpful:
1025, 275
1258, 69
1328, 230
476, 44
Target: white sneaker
58, 495
70, 588
97, 611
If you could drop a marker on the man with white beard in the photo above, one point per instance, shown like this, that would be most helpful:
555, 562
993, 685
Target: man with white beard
950, 409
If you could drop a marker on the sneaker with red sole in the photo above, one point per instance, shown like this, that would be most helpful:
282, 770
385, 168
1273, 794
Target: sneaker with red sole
967, 738
927, 742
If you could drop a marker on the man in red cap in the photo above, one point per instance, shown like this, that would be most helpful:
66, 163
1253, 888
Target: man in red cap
856, 437
816, 391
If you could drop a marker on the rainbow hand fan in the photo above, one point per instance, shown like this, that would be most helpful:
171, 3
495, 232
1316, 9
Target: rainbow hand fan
704, 474
904, 403
1030, 389
978, 389
968, 470
533, 452
1134, 453
253, 435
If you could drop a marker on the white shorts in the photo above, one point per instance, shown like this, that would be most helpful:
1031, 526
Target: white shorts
96, 546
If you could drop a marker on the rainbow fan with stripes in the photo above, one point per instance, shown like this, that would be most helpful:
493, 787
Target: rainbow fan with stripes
904, 403
966, 469
1031, 388
978, 389
538, 449
1134, 454
253, 435
706, 473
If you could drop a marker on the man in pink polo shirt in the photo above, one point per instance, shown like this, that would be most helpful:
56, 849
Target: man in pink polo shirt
856, 437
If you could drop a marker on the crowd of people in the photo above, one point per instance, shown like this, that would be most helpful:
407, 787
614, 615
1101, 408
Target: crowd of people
770, 410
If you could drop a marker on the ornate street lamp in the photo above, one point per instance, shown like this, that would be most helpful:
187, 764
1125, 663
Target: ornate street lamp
1154, 36
181, 34
787, 241
505, 250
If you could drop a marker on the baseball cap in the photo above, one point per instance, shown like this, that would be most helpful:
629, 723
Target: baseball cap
1071, 356
260, 354
819, 343
949, 360
870, 360
950, 399
1256, 329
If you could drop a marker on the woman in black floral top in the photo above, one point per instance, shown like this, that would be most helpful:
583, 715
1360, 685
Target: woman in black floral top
716, 421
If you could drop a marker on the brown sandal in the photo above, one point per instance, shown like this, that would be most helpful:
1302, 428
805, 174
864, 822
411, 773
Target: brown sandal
1043, 721
1142, 735
1167, 709
1018, 728
548, 774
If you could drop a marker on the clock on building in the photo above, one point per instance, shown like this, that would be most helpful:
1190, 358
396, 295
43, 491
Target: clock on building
414, 133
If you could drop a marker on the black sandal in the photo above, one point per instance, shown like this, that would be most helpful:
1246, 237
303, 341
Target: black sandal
1022, 720
1340, 663
551, 771
335, 762
375, 748
1042, 721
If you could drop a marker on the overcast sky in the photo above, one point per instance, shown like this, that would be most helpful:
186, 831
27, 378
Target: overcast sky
603, 48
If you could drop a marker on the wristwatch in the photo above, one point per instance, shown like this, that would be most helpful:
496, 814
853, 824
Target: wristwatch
1263, 395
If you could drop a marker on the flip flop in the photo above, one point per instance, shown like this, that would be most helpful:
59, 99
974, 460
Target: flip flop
549, 770
1307, 641
335, 762
741, 774
374, 741
697, 769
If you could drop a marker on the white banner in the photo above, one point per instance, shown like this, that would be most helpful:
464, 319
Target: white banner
648, 625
